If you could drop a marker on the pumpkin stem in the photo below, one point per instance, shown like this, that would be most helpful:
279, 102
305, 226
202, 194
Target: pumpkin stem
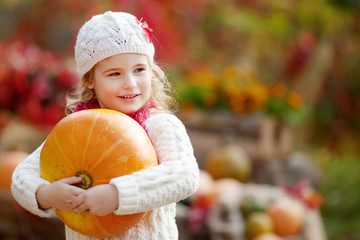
87, 181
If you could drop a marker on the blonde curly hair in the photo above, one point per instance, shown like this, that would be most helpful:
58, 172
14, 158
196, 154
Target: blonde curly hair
161, 91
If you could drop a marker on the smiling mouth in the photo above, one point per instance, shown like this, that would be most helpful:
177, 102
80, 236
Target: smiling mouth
129, 96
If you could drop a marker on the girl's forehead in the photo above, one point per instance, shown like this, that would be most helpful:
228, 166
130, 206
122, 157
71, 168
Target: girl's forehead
125, 59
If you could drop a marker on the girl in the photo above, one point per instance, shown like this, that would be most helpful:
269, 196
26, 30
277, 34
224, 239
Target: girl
115, 57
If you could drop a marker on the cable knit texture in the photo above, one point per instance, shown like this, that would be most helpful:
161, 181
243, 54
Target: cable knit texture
154, 190
109, 34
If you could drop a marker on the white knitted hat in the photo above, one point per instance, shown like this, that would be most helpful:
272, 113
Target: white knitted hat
109, 34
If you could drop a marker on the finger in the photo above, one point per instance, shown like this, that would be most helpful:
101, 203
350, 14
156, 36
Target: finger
81, 208
72, 180
77, 201
76, 191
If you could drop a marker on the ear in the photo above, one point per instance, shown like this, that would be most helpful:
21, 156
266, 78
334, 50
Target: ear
90, 85
88, 79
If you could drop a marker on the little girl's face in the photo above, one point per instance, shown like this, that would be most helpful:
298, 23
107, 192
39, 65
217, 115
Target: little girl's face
122, 82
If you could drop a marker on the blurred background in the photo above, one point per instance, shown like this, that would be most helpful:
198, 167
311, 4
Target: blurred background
268, 90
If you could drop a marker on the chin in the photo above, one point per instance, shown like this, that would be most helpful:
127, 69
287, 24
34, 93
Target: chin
128, 111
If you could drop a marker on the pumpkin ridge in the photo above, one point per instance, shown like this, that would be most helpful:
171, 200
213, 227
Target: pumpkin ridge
91, 130
73, 141
120, 161
105, 154
100, 227
56, 140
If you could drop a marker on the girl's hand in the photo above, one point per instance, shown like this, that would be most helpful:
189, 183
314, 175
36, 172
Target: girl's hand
99, 200
59, 194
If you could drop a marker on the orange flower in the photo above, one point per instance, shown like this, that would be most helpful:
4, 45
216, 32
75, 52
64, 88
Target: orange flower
313, 199
210, 99
294, 100
231, 73
278, 90
236, 105
203, 78
246, 100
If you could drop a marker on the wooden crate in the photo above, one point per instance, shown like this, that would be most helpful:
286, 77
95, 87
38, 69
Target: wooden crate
268, 142
263, 137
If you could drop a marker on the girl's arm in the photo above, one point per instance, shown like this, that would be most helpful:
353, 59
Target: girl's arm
38, 195
26, 181
175, 178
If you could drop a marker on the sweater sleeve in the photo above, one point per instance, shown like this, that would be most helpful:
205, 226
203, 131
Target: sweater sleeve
26, 181
175, 178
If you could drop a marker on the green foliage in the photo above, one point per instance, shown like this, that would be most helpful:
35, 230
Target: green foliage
351, 5
194, 94
341, 192
279, 108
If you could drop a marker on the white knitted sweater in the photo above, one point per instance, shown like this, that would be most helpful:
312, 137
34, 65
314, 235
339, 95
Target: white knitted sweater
157, 188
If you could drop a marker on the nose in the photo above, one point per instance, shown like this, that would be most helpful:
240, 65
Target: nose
129, 82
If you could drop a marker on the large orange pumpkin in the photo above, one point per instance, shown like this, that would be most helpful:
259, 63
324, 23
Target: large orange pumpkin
99, 145
8, 162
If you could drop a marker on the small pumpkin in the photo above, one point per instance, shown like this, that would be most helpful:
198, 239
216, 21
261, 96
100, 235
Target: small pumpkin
287, 214
258, 223
268, 236
205, 184
211, 190
8, 162
98, 145
223, 187
230, 161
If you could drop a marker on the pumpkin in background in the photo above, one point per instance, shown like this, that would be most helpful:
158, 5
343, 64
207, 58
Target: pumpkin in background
287, 214
258, 223
268, 236
210, 190
98, 145
206, 184
222, 187
8, 162
231, 161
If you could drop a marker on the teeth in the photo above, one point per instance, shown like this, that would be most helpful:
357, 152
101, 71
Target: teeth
132, 96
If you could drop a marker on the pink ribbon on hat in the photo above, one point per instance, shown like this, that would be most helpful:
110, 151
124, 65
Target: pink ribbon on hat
148, 31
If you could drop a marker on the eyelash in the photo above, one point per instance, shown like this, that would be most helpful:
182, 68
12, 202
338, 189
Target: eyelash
114, 74
136, 71
140, 69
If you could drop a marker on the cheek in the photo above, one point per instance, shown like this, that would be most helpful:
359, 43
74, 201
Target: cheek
148, 87
146, 83
107, 86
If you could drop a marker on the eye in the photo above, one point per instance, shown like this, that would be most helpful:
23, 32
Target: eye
114, 74
140, 69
